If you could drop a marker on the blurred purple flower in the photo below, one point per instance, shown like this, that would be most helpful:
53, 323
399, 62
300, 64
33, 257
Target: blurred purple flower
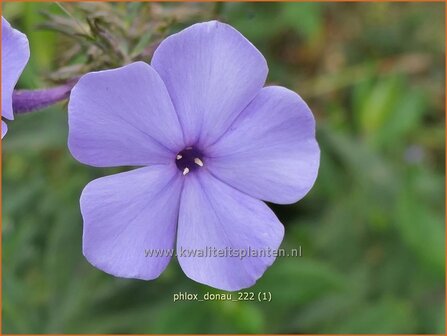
214, 143
15, 55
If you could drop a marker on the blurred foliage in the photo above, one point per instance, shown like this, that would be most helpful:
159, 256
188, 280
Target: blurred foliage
371, 230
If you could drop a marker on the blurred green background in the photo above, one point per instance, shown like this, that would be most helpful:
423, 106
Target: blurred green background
371, 230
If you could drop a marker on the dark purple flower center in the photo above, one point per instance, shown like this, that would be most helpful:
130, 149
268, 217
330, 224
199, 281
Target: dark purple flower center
189, 159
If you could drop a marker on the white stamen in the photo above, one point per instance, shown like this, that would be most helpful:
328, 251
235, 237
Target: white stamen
198, 162
179, 157
185, 171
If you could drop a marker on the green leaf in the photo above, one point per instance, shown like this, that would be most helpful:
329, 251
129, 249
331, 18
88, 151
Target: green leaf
422, 230
294, 281
379, 104
387, 316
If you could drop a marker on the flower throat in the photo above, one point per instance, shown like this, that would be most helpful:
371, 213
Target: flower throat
188, 160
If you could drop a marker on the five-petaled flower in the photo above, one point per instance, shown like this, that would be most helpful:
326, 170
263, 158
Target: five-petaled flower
15, 55
214, 144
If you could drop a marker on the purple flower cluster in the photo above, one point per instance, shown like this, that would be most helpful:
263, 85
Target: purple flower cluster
15, 55
213, 144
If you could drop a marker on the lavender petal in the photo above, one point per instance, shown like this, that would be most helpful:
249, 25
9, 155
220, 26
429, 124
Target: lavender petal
128, 214
4, 129
211, 72
123, 117
270, 152
15, 55
216, 216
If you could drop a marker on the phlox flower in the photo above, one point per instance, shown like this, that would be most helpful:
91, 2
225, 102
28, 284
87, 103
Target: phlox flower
212, 142
15, 55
